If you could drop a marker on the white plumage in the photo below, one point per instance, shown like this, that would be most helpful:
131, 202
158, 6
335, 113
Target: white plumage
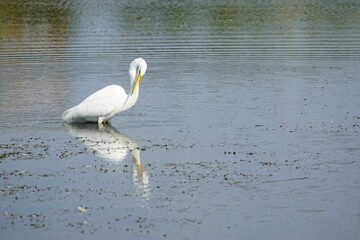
104, 104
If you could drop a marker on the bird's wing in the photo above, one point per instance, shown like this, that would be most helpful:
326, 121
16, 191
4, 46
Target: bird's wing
94, 109
105, 93
101, 103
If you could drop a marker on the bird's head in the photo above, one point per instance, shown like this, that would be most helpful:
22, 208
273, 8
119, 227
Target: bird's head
137, 70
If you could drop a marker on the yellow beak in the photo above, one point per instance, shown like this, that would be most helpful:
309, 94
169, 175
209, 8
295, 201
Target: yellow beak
137, 80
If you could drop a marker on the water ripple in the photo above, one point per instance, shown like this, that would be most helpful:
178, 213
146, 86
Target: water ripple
163, 49
86, 31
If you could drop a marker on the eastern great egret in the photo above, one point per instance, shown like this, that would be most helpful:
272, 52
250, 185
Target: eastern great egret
104, 104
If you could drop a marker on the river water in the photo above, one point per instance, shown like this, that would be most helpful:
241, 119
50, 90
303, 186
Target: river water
247, 125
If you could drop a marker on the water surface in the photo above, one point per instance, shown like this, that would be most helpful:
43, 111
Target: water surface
247, 122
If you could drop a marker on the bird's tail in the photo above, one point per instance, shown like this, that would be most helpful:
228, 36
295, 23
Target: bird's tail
66, 116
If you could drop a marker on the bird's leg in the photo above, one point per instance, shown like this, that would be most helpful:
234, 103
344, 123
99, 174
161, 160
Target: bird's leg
100, 121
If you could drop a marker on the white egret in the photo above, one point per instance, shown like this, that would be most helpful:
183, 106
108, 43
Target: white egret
104, 104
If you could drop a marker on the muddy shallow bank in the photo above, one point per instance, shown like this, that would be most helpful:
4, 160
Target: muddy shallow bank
65, 187
247, 125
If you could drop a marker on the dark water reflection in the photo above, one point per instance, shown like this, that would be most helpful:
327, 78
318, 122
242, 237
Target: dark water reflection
276, 82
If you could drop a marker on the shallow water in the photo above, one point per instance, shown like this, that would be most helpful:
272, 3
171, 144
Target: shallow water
247, 123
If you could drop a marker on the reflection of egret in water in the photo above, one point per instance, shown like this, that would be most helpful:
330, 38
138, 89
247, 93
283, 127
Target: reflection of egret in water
113, 146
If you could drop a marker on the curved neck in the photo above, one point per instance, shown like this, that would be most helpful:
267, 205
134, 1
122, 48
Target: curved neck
131, 99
